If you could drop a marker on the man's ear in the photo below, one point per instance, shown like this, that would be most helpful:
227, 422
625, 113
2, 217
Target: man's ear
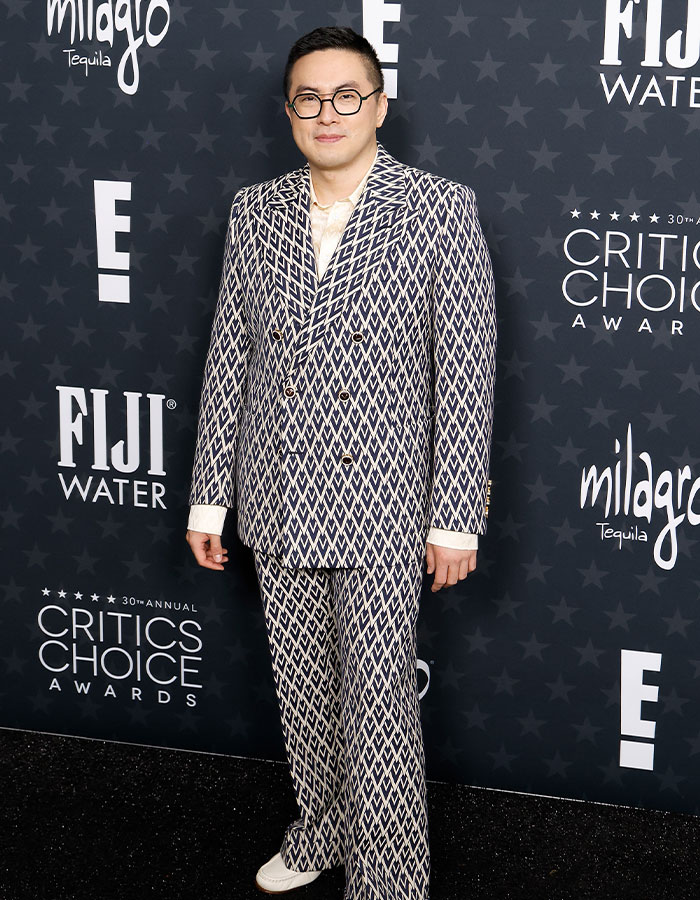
287, 110
381, 115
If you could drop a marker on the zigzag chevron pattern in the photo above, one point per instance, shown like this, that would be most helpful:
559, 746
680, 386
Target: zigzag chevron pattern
320, 413
343, 648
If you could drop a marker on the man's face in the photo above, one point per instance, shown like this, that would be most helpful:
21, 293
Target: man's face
331, 140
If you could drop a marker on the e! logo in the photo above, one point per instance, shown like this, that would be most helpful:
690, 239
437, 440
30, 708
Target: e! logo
112, 287
633, 690
374, 14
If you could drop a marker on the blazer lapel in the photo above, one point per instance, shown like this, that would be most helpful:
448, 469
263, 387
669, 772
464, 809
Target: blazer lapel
361, 246
287, 245
374, 224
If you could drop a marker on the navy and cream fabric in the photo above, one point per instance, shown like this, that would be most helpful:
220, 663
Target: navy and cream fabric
343, 647
346, 415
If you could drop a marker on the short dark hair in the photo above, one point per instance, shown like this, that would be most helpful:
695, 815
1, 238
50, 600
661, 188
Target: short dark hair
329, 37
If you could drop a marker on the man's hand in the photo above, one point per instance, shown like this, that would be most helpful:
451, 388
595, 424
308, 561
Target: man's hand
450, 566
207, 549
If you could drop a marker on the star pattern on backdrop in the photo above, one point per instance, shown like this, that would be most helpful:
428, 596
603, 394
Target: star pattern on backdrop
524, 654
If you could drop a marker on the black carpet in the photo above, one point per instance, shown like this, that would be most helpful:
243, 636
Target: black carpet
90, 820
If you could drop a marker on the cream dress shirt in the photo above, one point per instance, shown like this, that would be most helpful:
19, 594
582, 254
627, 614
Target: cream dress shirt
327, 225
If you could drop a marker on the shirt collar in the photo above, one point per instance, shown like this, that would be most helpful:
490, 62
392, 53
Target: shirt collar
353, 197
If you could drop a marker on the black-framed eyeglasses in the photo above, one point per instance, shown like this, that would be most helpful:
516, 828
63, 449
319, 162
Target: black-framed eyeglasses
346, 102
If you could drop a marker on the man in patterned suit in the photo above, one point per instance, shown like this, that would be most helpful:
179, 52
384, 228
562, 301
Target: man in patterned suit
347, 411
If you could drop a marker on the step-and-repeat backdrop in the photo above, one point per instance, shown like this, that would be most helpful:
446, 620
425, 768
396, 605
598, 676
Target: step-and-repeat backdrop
568, 665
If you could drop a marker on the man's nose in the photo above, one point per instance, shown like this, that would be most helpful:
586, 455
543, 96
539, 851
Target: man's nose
328, 113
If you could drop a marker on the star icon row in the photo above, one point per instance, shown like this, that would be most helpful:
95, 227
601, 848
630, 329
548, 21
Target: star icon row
614, 216
77, 595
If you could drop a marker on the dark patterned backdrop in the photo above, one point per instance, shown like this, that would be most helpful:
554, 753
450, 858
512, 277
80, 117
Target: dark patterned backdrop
568, 665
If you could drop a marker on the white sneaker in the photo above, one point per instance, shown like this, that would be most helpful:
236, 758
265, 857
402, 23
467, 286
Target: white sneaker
275, 878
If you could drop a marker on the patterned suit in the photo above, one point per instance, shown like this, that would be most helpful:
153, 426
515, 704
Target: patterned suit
344, 417
349, 415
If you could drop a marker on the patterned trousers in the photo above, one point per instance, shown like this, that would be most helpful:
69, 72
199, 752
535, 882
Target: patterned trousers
343, 646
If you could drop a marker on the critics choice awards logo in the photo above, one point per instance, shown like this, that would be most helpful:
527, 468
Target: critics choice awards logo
632, 264
120, 647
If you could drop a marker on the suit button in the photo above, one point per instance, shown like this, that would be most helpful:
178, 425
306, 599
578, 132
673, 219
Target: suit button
347, 459
344, 395
357, 336
290, 391
277, 334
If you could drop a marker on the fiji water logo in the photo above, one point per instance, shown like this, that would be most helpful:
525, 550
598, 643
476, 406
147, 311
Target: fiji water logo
88, 422
679, 49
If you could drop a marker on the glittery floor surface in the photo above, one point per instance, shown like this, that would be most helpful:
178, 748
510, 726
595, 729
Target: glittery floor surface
91, 820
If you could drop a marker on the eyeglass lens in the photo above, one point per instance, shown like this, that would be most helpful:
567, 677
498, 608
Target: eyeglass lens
309, 106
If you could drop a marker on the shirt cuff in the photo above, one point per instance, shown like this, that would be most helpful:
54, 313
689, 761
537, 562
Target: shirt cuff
455, 540
207, 519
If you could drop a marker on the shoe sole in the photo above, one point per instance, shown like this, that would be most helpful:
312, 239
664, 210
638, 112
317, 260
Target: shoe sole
285, 890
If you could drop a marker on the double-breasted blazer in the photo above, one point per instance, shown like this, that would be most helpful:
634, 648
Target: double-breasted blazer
344, 417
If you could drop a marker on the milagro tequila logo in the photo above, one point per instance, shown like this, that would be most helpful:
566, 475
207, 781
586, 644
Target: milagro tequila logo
101, 22
81, 411
640, 493
661, 45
